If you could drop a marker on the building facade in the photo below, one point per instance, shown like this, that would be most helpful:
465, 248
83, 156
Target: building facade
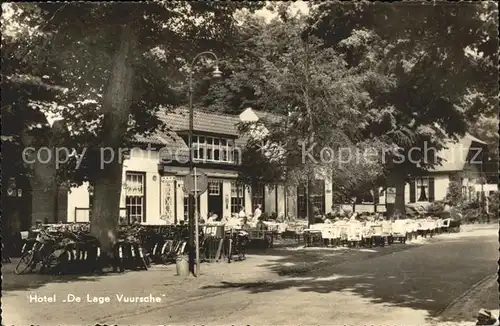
153, 175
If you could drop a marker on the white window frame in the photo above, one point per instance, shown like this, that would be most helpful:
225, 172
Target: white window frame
226, 151
137, 197
237, 197
214, 188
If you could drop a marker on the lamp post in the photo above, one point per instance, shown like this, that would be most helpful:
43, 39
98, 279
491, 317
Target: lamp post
216, 74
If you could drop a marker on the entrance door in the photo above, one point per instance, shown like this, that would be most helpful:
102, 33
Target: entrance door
301, 201
215, 198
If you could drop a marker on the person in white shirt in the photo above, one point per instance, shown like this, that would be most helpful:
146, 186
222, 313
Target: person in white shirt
212, 217
257, 213
242, 213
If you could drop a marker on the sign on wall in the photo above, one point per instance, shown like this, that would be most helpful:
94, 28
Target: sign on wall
168, 193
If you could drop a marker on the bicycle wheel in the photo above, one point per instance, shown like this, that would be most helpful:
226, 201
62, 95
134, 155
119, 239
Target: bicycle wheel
25, 263
142, 259
52, 262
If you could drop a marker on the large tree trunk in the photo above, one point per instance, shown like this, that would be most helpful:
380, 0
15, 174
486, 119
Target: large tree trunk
43, 178
397, 179
117, 99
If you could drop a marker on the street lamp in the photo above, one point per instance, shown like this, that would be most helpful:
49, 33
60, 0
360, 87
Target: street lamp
216, 74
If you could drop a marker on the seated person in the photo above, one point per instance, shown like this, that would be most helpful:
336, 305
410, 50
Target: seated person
261, 225
242, 214
257, 213
212, 217
318, 219
245, 225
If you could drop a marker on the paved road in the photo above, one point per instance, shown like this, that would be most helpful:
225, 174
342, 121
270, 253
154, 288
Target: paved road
405, 287
400, 284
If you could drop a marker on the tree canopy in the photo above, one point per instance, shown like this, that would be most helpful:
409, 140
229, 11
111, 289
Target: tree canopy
116, 63
408, 75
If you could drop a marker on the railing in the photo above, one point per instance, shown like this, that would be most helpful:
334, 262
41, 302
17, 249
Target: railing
82, 214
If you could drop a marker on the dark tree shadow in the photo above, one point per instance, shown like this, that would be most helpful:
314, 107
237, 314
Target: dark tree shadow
425, 278
32, 281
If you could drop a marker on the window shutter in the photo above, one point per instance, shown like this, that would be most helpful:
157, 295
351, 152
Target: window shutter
376, 196
431, 189
412, 191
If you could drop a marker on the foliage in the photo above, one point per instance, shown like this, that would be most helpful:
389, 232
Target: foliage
436, 208
486, 129
454, 194
22, 124
315, 96
116, 63
441, 57
493, 201
76, 51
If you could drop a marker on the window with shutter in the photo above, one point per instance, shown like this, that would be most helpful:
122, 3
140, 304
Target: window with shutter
376, 196
412, 191
431, 190
422, 189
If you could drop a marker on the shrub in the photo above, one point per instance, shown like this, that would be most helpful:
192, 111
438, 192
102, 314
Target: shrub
436, 208
493, 202
454, 196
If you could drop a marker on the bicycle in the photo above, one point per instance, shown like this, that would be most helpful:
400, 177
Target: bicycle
129, 252
38, 254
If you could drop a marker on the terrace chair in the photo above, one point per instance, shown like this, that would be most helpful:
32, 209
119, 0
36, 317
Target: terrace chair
313, 236
445, 224
399, 230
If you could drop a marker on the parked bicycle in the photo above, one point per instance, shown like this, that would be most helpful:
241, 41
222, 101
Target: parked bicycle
236, 244
36, 252
169, 244
128, 251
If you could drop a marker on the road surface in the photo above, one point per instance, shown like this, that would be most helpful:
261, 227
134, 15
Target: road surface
403, 284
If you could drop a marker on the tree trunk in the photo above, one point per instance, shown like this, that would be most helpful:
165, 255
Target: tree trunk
397, 179
106, 206
116, 108
311, 177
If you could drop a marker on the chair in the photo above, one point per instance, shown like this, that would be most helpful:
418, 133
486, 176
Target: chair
313, 238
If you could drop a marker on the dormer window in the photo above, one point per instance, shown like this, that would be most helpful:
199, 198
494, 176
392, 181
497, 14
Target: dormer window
214, 149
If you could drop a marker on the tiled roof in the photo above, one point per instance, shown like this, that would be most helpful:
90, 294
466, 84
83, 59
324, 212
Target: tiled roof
178, 120
169, 139
204, 121
455, 155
